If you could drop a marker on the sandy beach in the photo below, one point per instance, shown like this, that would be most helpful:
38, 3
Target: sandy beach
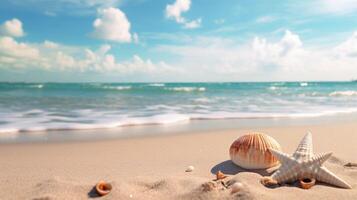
154, 167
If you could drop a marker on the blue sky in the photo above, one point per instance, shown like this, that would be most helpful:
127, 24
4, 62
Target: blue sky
177, 40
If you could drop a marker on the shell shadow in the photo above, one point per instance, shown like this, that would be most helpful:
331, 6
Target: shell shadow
228, 167
93, 193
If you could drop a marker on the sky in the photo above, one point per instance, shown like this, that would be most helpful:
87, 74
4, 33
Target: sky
177, 40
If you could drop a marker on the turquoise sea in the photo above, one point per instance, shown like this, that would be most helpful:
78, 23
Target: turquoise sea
28, 107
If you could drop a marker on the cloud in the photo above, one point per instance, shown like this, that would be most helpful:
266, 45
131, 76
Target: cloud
288, 59
50, 44
348, 48
219, 21
68, 7
337, 6
193, 24
49, 13
175, 10
12, 28
329, 7
112, 25
135, 38
16, 54
265, 19
53, 57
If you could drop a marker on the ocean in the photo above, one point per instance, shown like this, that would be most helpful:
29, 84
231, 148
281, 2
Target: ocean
33, 107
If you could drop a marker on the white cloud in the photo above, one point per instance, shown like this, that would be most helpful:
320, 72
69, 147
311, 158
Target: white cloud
175, 10
265, 19
50, 44
113, 25
336, 6
12, 28
135, 38
49, 13
193, 24
71, 7
219, 21
54, 57
217, 59
16, 54
348, 47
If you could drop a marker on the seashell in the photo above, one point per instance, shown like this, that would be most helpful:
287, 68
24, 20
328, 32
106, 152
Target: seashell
220, 175
251, 151
190, 168
268, 181
103, 188
307, 183
236, 187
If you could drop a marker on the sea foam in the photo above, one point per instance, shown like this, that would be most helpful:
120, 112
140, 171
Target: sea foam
187, 89
343, 93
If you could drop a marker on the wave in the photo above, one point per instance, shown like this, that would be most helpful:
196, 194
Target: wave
160, 119
37, 125
187, 89
117, 87
273, 88
304, 84
203, 100
157, 84
39, 86
344, 93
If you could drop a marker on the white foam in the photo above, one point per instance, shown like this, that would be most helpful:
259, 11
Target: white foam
273, 88
117, 87
187, 89
103, 122
203, 100
344, 93
39, 86
157, 84
304, 84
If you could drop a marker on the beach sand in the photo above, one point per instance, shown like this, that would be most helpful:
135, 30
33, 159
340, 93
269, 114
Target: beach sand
154, 167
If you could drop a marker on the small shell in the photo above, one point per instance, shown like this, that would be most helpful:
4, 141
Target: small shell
190, 168
236, 187
251, 151
307, 183
103, 188
220, 175
268, 181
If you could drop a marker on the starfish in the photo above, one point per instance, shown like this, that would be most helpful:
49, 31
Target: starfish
303, 164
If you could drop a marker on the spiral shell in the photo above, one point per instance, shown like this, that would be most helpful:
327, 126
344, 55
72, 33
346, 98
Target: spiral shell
251, 151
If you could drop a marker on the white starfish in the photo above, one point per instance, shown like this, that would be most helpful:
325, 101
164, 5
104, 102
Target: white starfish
304, 164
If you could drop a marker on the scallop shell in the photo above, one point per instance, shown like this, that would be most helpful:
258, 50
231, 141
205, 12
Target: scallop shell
251, 151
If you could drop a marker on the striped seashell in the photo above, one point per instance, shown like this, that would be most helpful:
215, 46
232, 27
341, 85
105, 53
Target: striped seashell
251, 151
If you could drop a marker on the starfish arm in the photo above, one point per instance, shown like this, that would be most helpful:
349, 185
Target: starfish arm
287, 171
319, 159
282, 157
326, 176
305, 148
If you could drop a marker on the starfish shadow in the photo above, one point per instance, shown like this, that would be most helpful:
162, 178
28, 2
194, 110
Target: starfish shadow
228, 167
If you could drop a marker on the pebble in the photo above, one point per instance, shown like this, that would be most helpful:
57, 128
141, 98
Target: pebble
190, 168
236, 187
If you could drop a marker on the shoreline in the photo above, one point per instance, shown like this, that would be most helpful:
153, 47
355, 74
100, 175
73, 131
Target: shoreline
182, 127
153, 167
